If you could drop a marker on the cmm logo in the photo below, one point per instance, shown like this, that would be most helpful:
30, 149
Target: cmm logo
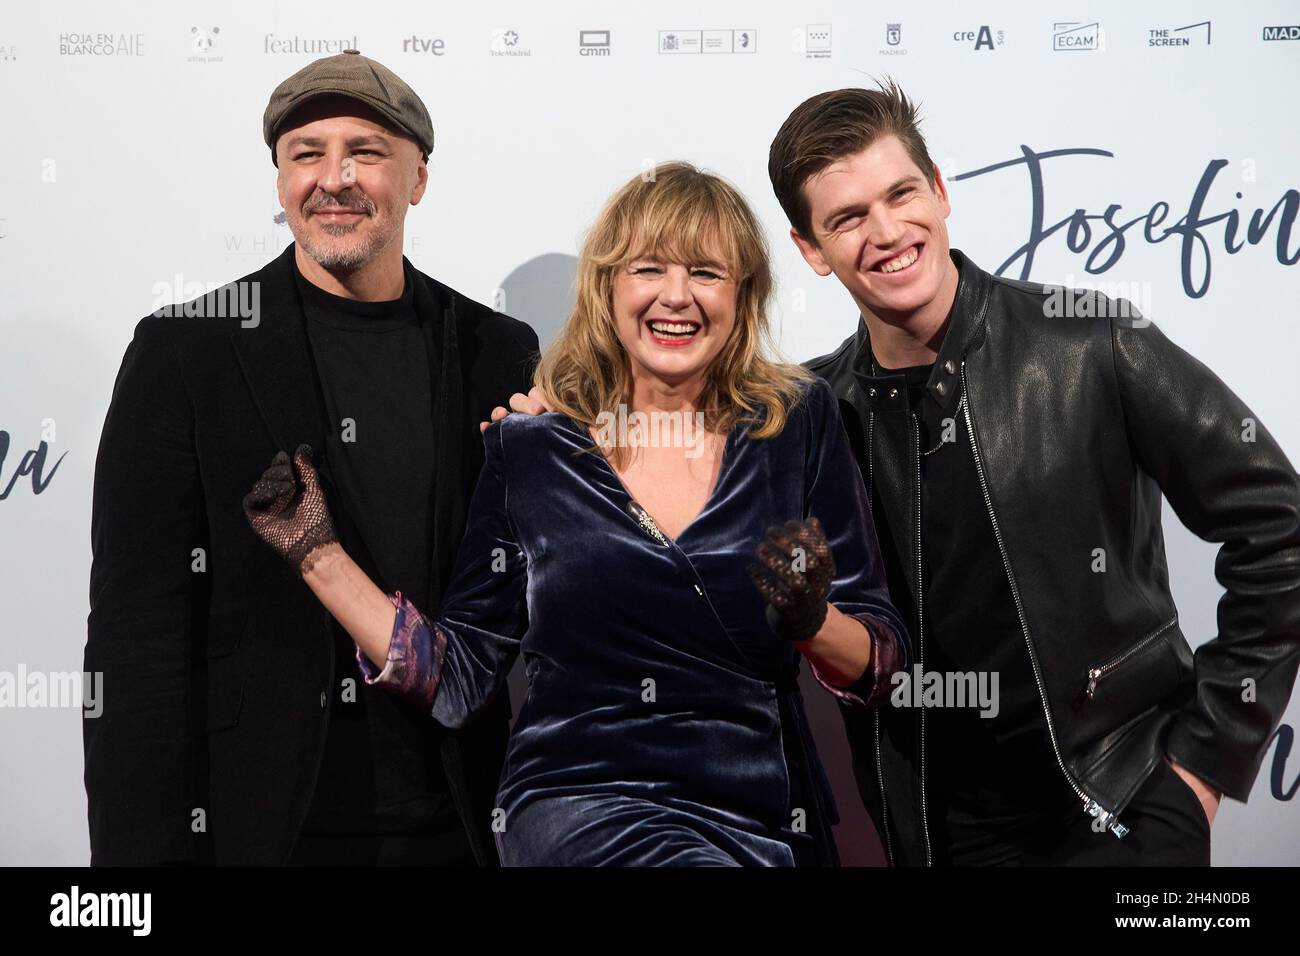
593, 43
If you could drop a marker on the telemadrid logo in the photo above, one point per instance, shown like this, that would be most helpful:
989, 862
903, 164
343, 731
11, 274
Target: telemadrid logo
1282, 33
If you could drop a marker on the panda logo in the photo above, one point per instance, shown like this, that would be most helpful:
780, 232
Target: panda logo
202, 40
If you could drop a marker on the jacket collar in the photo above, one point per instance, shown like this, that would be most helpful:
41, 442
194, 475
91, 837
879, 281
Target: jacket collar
276, 358
888, 392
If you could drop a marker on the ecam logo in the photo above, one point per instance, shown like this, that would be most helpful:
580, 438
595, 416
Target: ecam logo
1073, 36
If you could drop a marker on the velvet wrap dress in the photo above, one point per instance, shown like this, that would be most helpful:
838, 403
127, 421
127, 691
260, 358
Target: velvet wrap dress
663, 724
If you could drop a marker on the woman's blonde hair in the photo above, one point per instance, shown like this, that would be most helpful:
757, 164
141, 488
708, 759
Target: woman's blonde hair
685, 215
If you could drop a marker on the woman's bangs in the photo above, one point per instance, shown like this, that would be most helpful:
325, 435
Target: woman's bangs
687, 231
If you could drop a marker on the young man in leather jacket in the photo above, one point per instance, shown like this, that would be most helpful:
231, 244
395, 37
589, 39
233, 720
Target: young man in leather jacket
1016, 459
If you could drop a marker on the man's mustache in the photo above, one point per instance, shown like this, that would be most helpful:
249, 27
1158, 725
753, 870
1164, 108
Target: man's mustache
352, 202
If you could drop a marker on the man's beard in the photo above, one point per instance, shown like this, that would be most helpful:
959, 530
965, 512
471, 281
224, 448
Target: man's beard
348, 258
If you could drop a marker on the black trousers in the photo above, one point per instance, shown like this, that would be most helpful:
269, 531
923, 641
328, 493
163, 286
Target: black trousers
1167, 827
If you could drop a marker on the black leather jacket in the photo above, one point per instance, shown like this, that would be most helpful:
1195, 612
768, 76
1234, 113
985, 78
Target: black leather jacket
1077, 426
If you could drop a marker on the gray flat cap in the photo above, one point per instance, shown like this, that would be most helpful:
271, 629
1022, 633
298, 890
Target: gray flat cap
359, 77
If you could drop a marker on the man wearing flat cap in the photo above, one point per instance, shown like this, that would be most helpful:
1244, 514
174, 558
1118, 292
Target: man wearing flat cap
237, 728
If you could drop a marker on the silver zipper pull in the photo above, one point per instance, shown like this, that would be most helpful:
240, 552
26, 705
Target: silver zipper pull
1093, 676
1111, 822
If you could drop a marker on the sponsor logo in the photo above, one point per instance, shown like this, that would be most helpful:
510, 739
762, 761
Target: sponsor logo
984, 38
507, 42
708, 41
321, 46
417, 44
593, 43
101, 44
1270, 33
893, 41
1071, 36
202, 40
1194, 34
817, 41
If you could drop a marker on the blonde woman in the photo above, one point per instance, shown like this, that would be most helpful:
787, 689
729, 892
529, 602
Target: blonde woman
662, 547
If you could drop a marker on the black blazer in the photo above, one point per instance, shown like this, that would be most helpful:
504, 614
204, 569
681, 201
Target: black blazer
216, 658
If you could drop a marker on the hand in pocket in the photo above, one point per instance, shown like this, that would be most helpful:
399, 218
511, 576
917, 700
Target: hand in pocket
1205, 795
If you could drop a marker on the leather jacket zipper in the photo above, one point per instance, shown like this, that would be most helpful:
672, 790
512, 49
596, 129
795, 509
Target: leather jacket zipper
1097, 673
880, 770
920, 619
1090, 806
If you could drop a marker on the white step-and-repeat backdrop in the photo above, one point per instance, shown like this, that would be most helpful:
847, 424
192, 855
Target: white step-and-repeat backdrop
1149, 149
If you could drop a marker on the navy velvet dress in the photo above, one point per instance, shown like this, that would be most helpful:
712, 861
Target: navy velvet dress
663, 724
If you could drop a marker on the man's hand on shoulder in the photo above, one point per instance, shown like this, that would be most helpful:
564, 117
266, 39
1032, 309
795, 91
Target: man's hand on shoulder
533, 403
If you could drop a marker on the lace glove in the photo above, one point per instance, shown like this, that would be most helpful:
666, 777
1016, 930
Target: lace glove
794, 575
295, 523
